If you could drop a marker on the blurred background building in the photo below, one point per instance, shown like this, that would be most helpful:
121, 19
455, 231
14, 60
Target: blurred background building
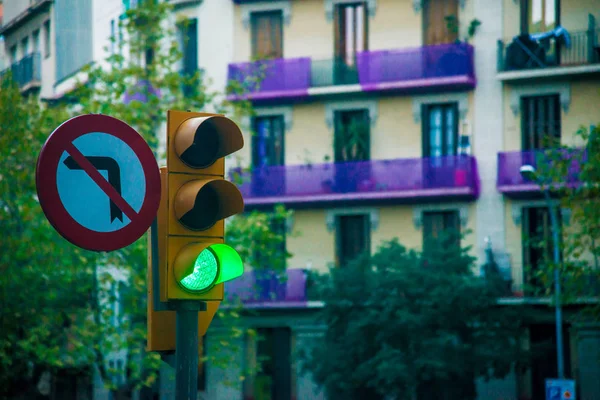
376, 119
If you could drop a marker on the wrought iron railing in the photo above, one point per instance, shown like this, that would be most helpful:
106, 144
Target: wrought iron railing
520, 53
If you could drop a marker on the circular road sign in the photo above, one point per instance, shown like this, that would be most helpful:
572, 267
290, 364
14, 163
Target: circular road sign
98, 182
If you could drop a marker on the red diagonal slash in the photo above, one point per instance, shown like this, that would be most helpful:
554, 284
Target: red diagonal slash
100, 181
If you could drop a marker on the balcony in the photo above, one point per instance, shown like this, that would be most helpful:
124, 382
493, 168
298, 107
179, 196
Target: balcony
267, 289
445, 67
27, 73
399, 181
536, 57
512, 184
271, 79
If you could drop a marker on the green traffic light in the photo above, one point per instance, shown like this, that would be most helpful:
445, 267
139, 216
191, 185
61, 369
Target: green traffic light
215, 264
204, 273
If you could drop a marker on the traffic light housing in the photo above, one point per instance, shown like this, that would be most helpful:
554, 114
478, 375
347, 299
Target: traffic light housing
162, 320
198, 261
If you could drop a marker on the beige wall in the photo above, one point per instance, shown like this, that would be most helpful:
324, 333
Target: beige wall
574, 14
309, 140
583, 110
313, 245
395, 25
310, 243
309, 32
394, 134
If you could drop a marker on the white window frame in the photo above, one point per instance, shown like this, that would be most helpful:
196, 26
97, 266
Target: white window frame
562, 89
330, 5
372, 213
462, 99
284, 6
518, 205
332, 107
286, 111
418, 4
463, 212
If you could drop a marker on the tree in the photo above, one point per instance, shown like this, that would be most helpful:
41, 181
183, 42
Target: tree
56, 300
572, 174
45, 282
407, 325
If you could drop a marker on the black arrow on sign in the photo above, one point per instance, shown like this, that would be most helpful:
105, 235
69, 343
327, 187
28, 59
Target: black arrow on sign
114, 178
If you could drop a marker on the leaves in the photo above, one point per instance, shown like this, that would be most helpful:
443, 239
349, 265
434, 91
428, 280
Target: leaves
404, 322
572, 174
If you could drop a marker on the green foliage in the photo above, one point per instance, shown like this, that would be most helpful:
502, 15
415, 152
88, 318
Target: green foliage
45, 283
453, 26
352, 141
57, 300
403, 324
572, 174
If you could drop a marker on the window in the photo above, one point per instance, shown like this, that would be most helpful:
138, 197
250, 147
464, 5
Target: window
537, 242
353, 237
13, 54
440, 130
352, 139
267, 34
268, 141
274, 353
113, 36
268, 150
350, 31
440, 226
47, 38
25, 46
539, 15
540, 122
440, 21
36, 41
189, 45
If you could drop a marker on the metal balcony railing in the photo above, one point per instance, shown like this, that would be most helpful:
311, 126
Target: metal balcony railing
523, 53
26, 71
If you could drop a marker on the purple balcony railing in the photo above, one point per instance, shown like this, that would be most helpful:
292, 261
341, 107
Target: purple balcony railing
268, 289
378, 180
442, 65
445, 66
510, 181
271, 79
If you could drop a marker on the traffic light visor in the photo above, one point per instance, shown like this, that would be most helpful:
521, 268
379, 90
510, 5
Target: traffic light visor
200, 203
199, 268
201, 141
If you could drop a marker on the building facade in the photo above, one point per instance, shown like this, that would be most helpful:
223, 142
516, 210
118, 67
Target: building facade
386, 118
374, 119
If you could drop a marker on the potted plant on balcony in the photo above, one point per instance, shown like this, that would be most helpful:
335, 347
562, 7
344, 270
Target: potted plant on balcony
351, 143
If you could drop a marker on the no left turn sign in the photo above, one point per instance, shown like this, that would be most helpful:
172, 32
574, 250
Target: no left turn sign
98, 182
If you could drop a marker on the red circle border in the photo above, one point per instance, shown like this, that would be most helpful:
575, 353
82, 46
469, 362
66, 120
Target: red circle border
52, 206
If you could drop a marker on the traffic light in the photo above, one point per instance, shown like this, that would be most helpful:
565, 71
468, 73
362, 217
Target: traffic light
198, 261
162, 321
